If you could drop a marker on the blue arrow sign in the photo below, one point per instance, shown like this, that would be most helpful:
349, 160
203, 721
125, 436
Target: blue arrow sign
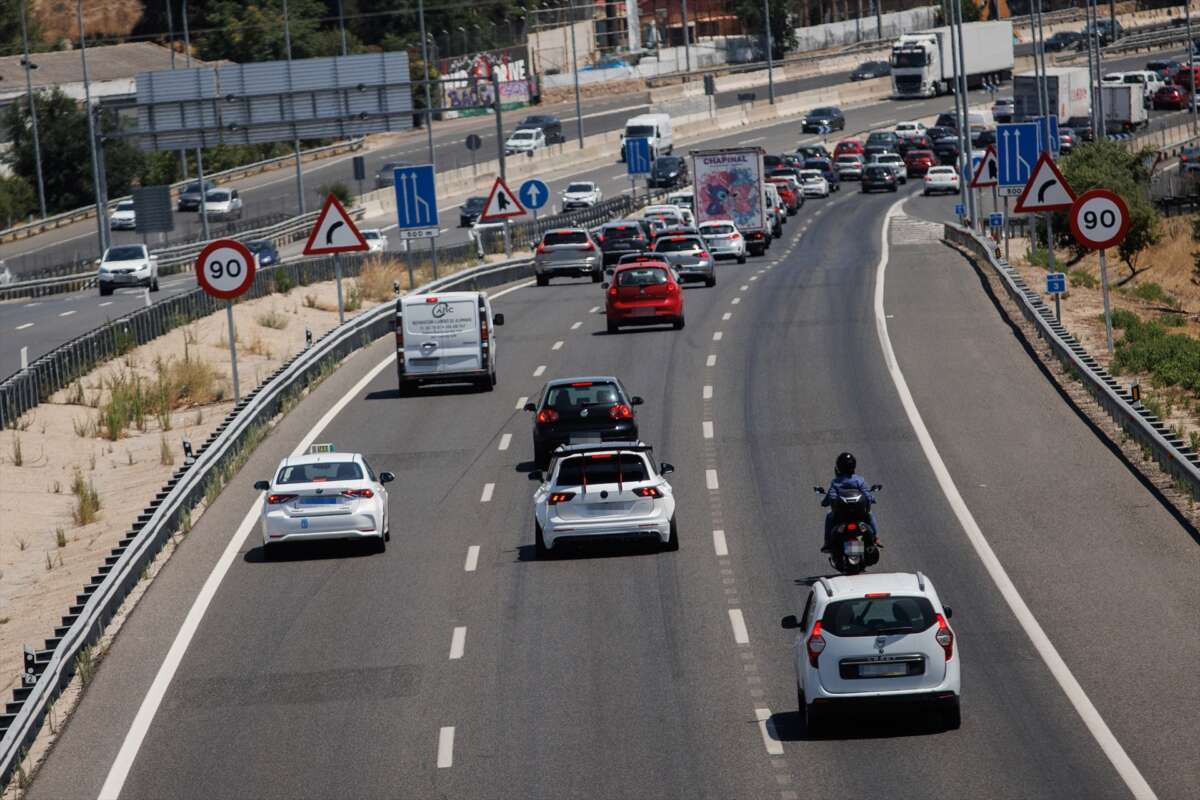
637, 156
1048, 133
533, 194
416, 198
1056, 283
996, 220
1016, 153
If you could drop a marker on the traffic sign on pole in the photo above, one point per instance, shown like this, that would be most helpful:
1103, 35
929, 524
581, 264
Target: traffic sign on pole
637, 156
1048, 138
225, 269
334, 232
1099, 219
996, 220
987, 171
533, 194
1046, 190
1016, 154
1056, 282
416, 202
501, 203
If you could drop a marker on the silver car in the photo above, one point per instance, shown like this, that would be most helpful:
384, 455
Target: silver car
689, 256
724, 240
567, 252
849, 167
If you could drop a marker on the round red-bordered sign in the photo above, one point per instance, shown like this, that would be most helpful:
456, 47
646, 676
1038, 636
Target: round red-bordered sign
1099, 219
225, 269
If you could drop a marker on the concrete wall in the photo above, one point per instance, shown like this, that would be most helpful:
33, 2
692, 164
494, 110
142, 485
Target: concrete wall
819, 37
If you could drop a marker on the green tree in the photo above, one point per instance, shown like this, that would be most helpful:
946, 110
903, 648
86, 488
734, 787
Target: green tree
17, 200
970, 11
254, 31
783, 33
66, 160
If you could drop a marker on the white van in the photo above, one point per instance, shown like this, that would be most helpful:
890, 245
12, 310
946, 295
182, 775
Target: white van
656, 128
1150, 82
684, 198
446, 337
981, 117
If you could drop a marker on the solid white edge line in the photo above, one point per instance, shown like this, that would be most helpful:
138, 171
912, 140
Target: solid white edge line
710, 480
719, 545
111, 790
445, 751
1041, 641
486, 497
458, 643
740, 634
510, 289
767, 729
707, 428
472, 558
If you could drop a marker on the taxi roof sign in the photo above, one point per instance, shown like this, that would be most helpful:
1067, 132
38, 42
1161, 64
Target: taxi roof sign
321, 447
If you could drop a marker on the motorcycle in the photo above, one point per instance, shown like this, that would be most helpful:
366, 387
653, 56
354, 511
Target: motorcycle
853, 545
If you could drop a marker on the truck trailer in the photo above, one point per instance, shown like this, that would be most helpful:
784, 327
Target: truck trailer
923, 62
1124, 108
1066, 91
728, 185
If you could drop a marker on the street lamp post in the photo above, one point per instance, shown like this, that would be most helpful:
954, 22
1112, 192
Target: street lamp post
575, 75
187, 49
97, 183
466, 44
428, 113
287, 41
37, 143
770, 57
687, 48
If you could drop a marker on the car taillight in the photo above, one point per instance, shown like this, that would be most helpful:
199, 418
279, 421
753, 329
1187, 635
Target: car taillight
279, 499
541, 248
365, 493
399, 334
560, 497
612, 290
621, 411
483, 326
945, 637
852, 527
546, 416
589, 247
735, 236
702, 254
815, 643
672, 288
600, 238
647, 491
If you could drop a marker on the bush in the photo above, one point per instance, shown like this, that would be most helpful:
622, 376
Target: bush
1172, 358
377, 278
1083, 279
275, 320
1153, 293
282, 280
87, 500
1123, 318
339, 190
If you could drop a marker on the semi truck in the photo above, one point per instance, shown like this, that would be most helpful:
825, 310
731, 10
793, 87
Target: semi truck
1066, 92
728, 185
923, 62
1124, 107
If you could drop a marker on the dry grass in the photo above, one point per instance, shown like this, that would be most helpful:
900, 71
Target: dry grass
87, 499
378, 278
258, 347
273, 319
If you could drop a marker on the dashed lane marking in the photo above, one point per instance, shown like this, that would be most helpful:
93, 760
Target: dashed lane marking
577, 326
472, 558
717, 336
557, 345
26, 325
521, 401
735, 301
707, 392
719, 544
726, 317
106, 304
445, 751
504, 441
767, 729
711, 361
707, 428
743, 287
458, 643
486, 497
710, 480
537, 372
740, 634
67, 313
595, 310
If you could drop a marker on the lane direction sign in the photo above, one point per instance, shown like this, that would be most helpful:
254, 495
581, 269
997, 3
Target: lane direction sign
637, 156
416, 202
987, 171
1099, 219
334, 232
1048, 138
533, 194
1046, 190
501, 203
1017, 152
225, 269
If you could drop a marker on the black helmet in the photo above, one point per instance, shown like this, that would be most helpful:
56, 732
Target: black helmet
845, 464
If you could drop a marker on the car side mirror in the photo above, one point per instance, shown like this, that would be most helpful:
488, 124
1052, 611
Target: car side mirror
789, 622
537, 475
636, 401
604, 285
665, 469
498, 319
386, 477
949, 611
531, 407
262, 486
877, 487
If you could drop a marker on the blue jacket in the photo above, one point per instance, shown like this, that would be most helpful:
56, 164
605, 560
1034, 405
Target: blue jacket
847, 482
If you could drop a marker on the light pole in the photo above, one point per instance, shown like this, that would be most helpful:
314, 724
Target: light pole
428, 113
466, 44
342, 28
687, 49
1187, 17
575, 75
770, 58
37, 143
187, 47
287, 42
101, 206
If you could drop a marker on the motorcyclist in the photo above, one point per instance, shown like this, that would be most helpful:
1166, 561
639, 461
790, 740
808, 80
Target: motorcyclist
845, 478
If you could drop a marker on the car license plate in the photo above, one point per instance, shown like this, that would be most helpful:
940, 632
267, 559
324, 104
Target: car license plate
608, 509
585, 438
319, 501
645, 311
885, 670
423, 362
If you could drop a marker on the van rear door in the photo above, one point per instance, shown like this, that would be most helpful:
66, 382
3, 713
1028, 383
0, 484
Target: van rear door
441, 334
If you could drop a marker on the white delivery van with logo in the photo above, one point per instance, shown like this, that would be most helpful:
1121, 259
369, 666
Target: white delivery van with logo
446, 337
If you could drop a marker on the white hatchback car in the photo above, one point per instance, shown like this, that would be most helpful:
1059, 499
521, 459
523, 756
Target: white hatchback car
604, 491
813, 183
875, 639
324, 495
941, 179
376, 241
905, 130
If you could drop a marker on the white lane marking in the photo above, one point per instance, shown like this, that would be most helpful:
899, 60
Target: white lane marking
753, 277
39, 302
541, 368
521, 401
740, 634
726, 316
1037, 635
717, 336
458, 643
106, 303
755, 139
445, 755
67, 313
710, 480
767, 729
719, 544
707, 393
503, 292
735, 301
26, 325
504, 441
595, 310
557, 345
706, 426
486, 497
119, 771
472, 558
743, 287
576, 326
711, 361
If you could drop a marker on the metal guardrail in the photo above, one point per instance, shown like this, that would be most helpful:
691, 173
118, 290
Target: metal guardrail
53, 667
1167, 447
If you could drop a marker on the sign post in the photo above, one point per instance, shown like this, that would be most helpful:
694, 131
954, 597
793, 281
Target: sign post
473, 144
225, 270
1100, 220
534, 193
1056, 284
334, 233
502, 205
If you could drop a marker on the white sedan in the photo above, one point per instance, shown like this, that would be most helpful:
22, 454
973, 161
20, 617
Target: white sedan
377, 242
813, 183
324, 495
127, 265
603, 492
941, 179
581, 194
906, 130
123, 217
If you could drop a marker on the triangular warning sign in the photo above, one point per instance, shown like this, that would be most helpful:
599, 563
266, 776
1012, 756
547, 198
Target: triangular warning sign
334, 232
1047, 189
501, 203
988, 170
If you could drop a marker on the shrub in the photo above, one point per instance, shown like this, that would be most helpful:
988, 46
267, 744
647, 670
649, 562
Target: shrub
282, 280
273, 319
18, 457
165, 456
1172, 358
354, 299
377, 278
87, 500
1153, 293
1083, 279
339, 190
1123, 318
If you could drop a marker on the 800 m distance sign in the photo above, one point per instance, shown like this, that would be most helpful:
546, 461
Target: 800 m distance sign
225, 269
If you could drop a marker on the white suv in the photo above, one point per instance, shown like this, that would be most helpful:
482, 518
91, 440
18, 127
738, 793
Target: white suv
875, 639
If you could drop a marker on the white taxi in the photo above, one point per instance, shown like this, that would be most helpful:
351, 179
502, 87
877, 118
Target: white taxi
324, 495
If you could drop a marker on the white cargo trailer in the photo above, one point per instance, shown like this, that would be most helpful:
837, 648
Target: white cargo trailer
1066, 93
923, 62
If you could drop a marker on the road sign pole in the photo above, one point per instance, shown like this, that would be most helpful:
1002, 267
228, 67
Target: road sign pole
1058, 307
233, 370
1108, 340
408, 257
337, 271
507, 243
1006, 229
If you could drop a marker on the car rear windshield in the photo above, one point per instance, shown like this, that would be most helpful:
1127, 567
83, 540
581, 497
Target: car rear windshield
319, 473
601, 468
816, 163
849, 159
920, 154
877, 172
639, 131
630, 231
565, 237
475, 203
582, 394
129, 253
823, 112
676, 244
125, 205
372, 234
717, 230
871, 616
218, 196
642, 276
580, 187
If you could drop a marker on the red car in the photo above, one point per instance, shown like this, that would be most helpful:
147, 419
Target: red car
787, 194
1173, 97
918, 162
848, 147
643, 292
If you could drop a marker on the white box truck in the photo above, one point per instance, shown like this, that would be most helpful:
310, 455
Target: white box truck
923, 62
1066, 92
728, 185
1124, 108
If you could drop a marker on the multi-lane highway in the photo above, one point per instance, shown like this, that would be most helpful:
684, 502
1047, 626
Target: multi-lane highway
457, 664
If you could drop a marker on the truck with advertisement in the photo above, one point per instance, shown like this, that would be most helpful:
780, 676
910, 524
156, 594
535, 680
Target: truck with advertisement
923, 61
1124, 108
728, 185
1066, 92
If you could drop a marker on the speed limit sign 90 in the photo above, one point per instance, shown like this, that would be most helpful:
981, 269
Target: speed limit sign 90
1099, 219
225, 269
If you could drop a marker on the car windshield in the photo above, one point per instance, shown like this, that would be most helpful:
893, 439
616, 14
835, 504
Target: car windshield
564, 237
217, 196
475, 203
639, 131
823, 112
920, 154
127, 253
580, 187
125, 205
195, 188
524, 135
319, 473
667, 163
871, 616
718, 229
372, 234
942, 171
581, 394
536, 122
642, 276
819, 164
598, 468
876, 172
258, 246
677, 244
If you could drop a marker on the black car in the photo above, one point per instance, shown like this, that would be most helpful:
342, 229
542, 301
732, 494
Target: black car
936, 133
550, 125
919, 142
264, 251
189, 198
771, 162
813, 151
946, 150
880, 178
982, 137
947, 119
668, 172
385, 178
581, 410
1106, 31
1081, 127
871, 69
1065, 40
470, 211
825, 118
623, 237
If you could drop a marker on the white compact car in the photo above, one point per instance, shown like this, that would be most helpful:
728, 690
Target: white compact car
813, 183
376, 241
593, 492
324, 495
880, 639
683, 212
525, 140
123, 217
580, 194
906, 130
127, 265
223, 204
941, 179
724, 240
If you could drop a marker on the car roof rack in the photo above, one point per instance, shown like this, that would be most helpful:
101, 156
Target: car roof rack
600, 447
828, 586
